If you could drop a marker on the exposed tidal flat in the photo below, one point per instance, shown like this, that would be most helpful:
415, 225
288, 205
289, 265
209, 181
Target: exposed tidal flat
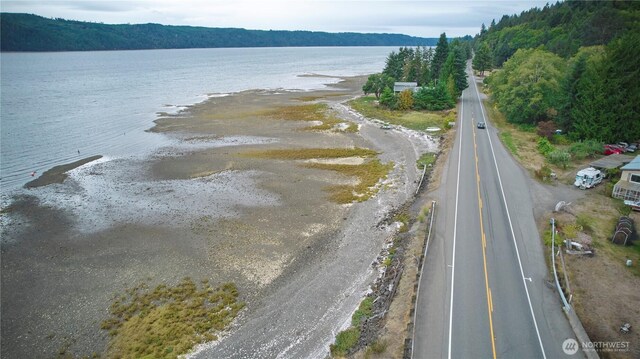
245, 194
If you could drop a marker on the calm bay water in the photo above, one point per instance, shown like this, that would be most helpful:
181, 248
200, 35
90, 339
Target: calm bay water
59, 107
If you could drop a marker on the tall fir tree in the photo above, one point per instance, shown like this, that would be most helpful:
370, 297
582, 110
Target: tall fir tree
482, 59
439, 57
622, 86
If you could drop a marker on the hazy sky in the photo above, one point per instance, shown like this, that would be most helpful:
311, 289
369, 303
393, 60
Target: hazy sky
418, 18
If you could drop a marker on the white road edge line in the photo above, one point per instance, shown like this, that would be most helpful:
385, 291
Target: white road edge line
504, 199
455, 223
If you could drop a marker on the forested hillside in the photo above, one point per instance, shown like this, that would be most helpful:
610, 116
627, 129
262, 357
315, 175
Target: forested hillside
575, 64
25, 32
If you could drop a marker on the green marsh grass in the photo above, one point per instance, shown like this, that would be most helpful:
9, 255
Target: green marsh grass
368, 175
169, 321
308, 112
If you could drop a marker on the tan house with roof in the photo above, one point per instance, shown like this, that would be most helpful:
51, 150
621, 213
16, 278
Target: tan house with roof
628, 188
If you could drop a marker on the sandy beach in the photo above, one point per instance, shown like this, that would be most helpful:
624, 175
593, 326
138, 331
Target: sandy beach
207, 209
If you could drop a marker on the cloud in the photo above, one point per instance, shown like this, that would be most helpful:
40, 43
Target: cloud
419, 18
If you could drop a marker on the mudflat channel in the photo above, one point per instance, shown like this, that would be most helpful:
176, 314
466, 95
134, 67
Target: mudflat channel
209, 208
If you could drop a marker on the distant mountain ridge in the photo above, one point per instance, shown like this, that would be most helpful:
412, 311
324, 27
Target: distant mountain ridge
27, 32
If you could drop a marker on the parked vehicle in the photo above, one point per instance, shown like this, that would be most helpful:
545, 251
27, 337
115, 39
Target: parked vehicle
588, 178
612, 149
634, 205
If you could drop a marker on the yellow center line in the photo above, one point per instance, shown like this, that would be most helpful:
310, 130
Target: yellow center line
490, 300
484, 244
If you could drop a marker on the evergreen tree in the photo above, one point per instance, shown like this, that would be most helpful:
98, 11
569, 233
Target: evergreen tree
439, 57
482, 60
388, 98
394, 65
589, 113
454, 69
376, 83
577, 67
425, 70
622, 86
396, 62
443, 99
459, 73
424, 98
413, 66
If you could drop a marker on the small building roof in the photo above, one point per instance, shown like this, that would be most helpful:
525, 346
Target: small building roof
401, 86
634, 165
611, 161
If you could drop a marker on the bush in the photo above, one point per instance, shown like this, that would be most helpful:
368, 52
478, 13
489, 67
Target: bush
571, 230
405, 100
546, 129
364, 311
622, 208
548, 239
388, 98
584, 221
559, 158
544, 146
583, 149
544, 173
526, 127
426, 159
379, 346
345, 341
433, 99
613, 174
561, 140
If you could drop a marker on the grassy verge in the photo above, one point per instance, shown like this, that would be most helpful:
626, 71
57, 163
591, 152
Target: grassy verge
169, 321
311, 112
415, 120
521, 141
507, 139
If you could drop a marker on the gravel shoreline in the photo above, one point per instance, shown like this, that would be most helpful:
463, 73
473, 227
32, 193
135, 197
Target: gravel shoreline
198, 209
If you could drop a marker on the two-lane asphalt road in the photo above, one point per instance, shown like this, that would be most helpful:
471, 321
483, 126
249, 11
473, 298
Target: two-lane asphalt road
482, 288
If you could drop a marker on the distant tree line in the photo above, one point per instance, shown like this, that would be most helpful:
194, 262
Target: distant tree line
439, 73
26, 32
572, 65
